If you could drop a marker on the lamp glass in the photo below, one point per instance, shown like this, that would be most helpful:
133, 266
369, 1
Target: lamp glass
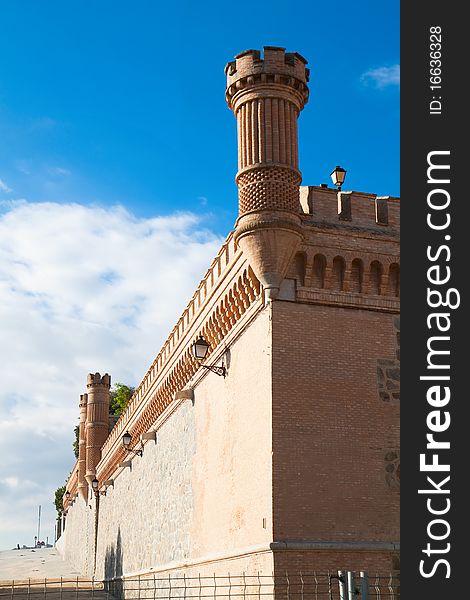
338, 175
94, 484
200, 348
126, 439
67, 494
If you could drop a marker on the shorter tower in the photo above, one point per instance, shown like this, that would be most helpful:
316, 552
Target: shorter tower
267, 94
97, 420
82, 483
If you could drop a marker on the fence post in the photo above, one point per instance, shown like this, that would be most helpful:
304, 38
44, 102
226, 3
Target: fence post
364, 585
343, 585
351, 587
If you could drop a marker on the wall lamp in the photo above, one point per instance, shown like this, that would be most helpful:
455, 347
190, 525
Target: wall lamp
338, 175
199, 350
67, 495
94, 485
126, 441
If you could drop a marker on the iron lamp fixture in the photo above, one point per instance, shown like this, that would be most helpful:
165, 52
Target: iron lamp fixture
338, 175
199, 350
126, 440
94, 485
67, 495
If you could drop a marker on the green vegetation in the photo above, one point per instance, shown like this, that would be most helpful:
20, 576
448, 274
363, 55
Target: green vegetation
58, 499
119, 398
75, 443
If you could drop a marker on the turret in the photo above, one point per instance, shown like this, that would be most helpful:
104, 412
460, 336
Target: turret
82, 483
97, 420
266, 95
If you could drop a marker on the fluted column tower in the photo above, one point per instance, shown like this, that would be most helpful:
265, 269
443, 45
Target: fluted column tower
267, 96
97, 420
82, 483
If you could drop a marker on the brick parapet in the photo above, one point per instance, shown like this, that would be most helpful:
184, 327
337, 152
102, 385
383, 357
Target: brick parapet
277, 69
352, 262
71, 486
350, 211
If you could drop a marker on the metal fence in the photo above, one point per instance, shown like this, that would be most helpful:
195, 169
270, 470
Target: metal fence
339, 585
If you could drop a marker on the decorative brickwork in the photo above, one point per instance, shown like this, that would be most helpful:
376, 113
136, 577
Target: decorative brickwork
268, 188
243, 293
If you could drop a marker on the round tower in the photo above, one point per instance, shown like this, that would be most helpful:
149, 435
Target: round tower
82, 484
97, 420
267, 94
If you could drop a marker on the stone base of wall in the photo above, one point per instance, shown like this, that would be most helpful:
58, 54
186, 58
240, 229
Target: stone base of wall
77, 543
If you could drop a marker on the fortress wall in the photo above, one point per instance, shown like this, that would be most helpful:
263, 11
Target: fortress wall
144, 518
334, 476
197, 496
78, 538
232, 467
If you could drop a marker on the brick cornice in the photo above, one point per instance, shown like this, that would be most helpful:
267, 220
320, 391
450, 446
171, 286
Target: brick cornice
224, 296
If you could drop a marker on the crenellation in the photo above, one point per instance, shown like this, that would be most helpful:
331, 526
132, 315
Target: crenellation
276, 66
326, 205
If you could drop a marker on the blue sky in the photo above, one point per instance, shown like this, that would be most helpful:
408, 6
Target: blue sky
117, 166
117, 102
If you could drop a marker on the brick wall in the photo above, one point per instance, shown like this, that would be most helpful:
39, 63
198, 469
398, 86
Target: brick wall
331, 430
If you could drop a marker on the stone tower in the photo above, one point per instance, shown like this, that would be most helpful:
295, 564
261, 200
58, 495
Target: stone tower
97, 420
267, 94
82, 483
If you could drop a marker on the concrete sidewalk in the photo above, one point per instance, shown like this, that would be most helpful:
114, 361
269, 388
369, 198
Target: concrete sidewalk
39, 563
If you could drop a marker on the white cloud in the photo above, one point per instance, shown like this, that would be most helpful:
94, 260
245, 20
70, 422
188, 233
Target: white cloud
4, 187
382, 77
58, 171
83, 289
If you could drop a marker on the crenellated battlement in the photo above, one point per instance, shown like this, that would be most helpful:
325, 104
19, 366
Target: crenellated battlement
350, 209
95, 379
276, 67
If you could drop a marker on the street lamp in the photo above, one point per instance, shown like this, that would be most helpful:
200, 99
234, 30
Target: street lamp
126, 441
199, 350
94, 485
338, 175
